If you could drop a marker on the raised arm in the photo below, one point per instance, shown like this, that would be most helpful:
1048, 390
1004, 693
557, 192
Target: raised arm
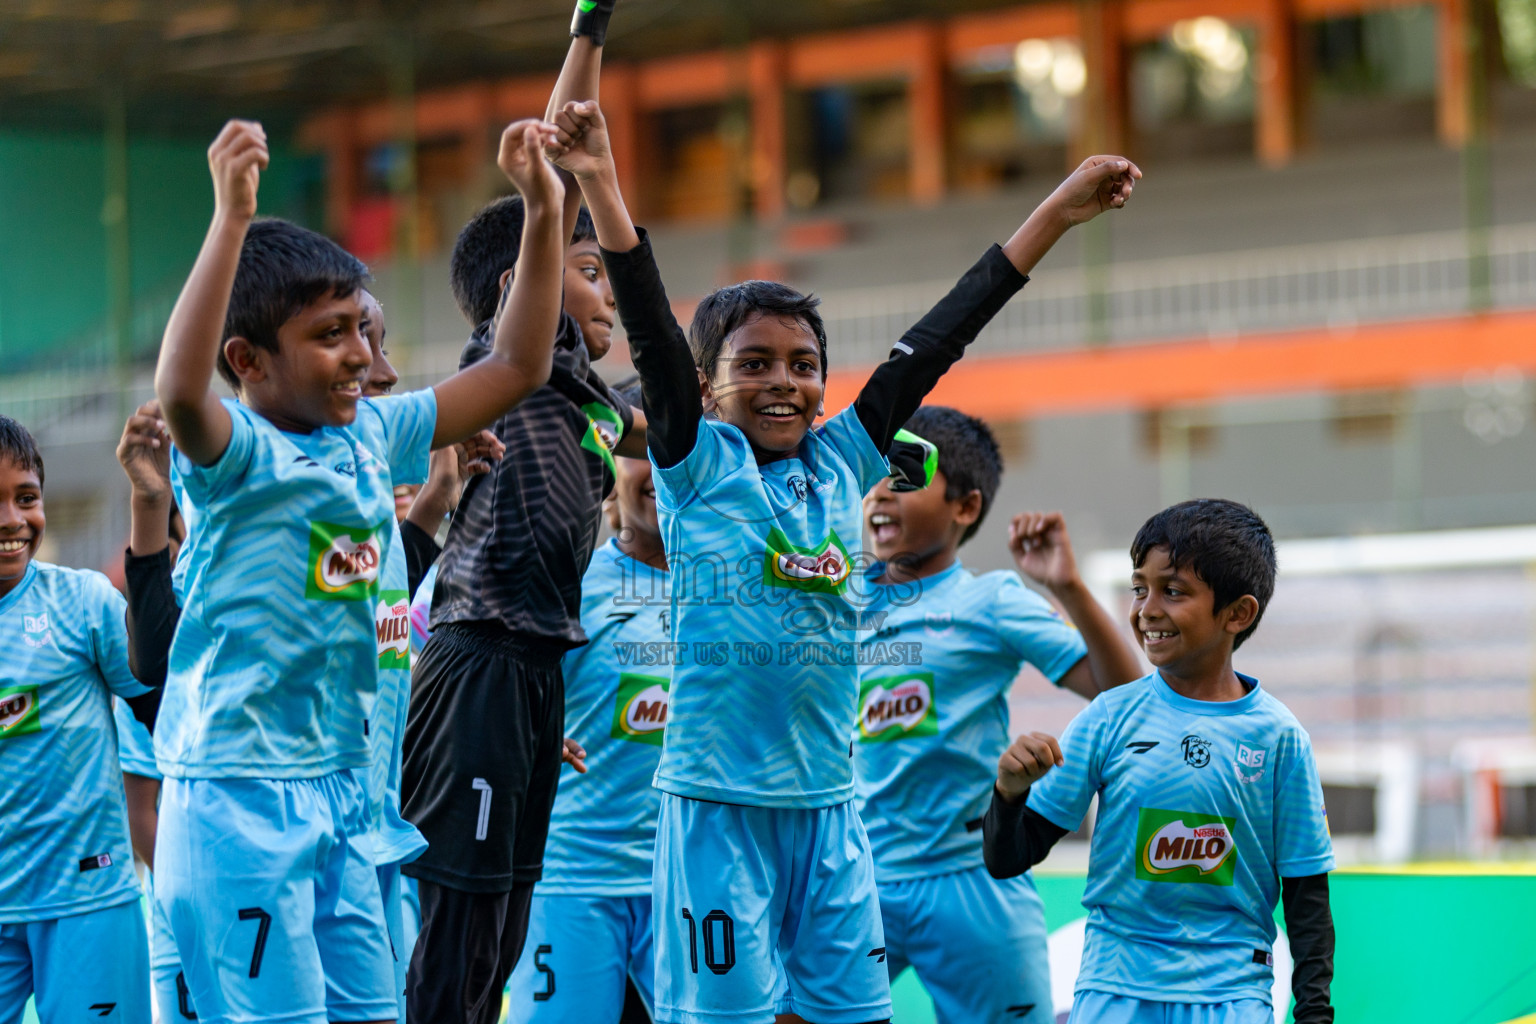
1015, 837
937, 341
523, 348
578, 80
669, 382
189, 353
1042, 550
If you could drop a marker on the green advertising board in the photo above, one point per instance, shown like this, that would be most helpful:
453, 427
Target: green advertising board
1448, 944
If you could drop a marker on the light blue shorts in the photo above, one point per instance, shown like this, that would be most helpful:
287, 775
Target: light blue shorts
978, 945
272, 896
392, 893
173, 1000
88, 966
580, 949
1104, 1008
740, 891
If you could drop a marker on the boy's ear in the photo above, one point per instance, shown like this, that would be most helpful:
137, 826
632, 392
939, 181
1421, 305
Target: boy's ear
247, 360
970, 509
706, 392
501, 282
1240, 614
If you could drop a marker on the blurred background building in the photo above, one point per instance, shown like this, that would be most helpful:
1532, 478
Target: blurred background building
1323, 301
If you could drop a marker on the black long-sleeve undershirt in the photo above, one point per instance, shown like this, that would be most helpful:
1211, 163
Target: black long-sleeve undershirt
151, 623
1015, 838
669, 380
421, 550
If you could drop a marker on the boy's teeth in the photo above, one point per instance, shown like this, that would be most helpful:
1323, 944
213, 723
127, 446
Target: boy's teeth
12, 545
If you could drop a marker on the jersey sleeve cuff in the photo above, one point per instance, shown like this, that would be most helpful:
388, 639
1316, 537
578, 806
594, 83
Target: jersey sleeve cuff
1306, 866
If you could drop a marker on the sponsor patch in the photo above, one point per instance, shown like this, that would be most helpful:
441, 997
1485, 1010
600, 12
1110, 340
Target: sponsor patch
19, 712
822, 569
1183, 846
392, 620
1250, 762
343, 562
896, 707
640, 710
605, 427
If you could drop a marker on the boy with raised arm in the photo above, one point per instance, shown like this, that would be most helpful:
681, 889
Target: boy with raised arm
760, 857
1210, 808
944, 652
265, 861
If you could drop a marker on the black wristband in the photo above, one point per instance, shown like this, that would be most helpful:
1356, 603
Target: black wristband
591, 20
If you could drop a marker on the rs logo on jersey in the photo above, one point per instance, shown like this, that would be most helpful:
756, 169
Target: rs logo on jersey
343, 562
392, 620
640, 710
19, 711
36, 631
895, 707
1183, 846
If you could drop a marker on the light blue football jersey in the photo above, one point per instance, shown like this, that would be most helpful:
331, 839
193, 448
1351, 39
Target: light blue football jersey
64, 818
933, 710
135, 746
766, 610
602, 831
1203, 808
274, 669
395, 839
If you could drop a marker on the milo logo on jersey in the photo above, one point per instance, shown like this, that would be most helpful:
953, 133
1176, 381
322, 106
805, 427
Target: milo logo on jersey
1182, 846
822, 569
392, 621
604, 428
18, 711
343, 562
640, 710
895, 707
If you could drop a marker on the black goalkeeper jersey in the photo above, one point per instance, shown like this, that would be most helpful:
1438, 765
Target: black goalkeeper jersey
524, 532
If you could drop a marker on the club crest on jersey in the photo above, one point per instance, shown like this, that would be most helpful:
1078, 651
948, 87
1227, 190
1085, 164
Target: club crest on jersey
1197, 751
895, 707
36, 631
1249, 764
343, 562
605, 427
392, 621
822, 569
640, 709
19, 712
1183, 846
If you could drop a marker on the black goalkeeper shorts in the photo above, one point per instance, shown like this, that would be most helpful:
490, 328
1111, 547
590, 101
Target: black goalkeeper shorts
482, 756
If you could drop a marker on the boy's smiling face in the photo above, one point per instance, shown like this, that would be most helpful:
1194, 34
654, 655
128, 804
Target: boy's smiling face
21, 521
319, 370
589, 296
916, 525
1174, 616
768, 383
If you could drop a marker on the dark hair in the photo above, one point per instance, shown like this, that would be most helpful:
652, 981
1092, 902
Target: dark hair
723, 310
18, 447
1225, 543
283, 268
628, 389
968, 455
487, 247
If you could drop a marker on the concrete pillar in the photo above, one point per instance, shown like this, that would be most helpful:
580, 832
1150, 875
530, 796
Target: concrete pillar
1101, 119
1275, 134
766, 74
928, 118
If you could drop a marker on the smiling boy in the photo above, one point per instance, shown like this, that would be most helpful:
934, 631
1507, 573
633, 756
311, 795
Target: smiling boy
1210, 808
68, 895
264, 856
761, 860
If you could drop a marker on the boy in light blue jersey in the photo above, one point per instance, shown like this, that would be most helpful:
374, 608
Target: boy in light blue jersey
68, 895
265, 852
1210, 808
590, 921
760, 856
933, 718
